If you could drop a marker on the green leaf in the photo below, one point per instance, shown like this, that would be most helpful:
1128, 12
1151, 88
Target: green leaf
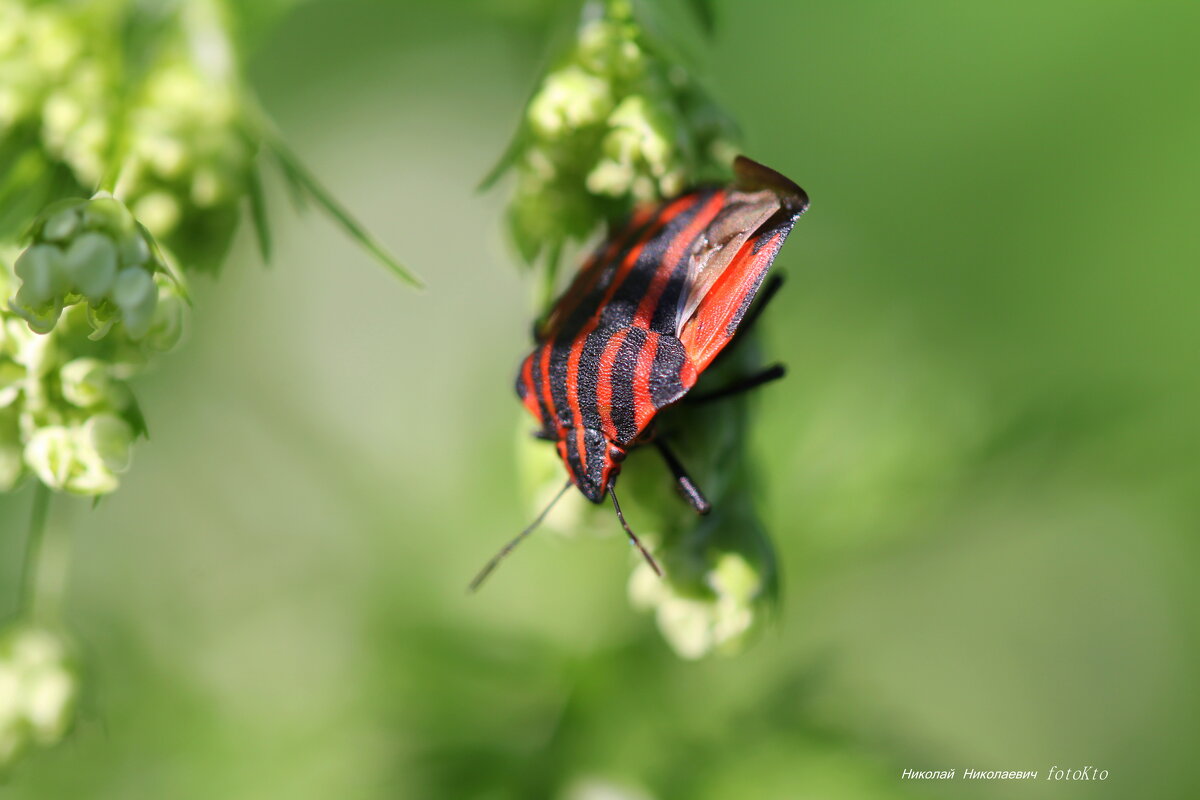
136, 419
297, 173
516, 146
171, 267
258, 214
296, 191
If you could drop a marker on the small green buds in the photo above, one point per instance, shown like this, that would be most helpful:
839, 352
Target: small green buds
151, 108
715, 619
90, 264
614, 123
40, 299
91, 252
189, 159
93, 302
88, 383
146, 102
85, 458
39, 690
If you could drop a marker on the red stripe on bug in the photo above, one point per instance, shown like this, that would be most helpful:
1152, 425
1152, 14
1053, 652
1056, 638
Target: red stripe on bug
643, 405
688, 374
547, 393
530, 399
604, 388
581, 450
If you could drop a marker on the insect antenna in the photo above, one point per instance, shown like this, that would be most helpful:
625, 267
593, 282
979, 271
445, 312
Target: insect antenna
508, 548
633, 536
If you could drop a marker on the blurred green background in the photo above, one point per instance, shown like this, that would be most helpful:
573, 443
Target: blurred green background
981, 473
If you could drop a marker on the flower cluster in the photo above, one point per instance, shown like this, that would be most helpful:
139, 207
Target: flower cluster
189, 156
716, 615
175, 129
100, 93
85, 294
150, 107
68, 88
41, 52
135, 113
614, 123
95, 253
93, 302
38, 690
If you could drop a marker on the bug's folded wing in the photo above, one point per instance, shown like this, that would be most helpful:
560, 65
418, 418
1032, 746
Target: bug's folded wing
741, 216
732, 256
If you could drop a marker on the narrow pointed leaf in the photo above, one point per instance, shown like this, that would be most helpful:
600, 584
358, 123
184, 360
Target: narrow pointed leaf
258, 214
305, 180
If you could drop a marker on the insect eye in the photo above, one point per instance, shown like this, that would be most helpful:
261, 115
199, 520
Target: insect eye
616, 454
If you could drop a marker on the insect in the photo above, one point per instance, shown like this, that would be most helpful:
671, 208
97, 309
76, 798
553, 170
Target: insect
647, 313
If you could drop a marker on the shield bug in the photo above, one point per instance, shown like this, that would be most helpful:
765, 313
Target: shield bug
648, 312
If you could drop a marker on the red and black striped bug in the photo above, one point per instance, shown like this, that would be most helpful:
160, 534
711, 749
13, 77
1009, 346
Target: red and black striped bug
649, 311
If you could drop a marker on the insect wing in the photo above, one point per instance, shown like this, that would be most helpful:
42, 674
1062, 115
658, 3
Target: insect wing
733, 255
741, 216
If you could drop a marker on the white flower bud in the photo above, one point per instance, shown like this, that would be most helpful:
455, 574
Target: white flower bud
34, 351
568, 99
159, 212
38, 690
40, 269
110, 439
86, 382
136, 294
170, 314
91, 264
12, 376
698, 624
50, 453
107, 213
61, 224
41, 317
133, 248
610, 178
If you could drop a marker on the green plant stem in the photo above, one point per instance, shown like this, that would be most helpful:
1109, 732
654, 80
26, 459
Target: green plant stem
33, 549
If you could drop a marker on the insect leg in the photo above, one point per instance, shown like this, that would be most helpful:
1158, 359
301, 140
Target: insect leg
633, 536
771, 373
687, 487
